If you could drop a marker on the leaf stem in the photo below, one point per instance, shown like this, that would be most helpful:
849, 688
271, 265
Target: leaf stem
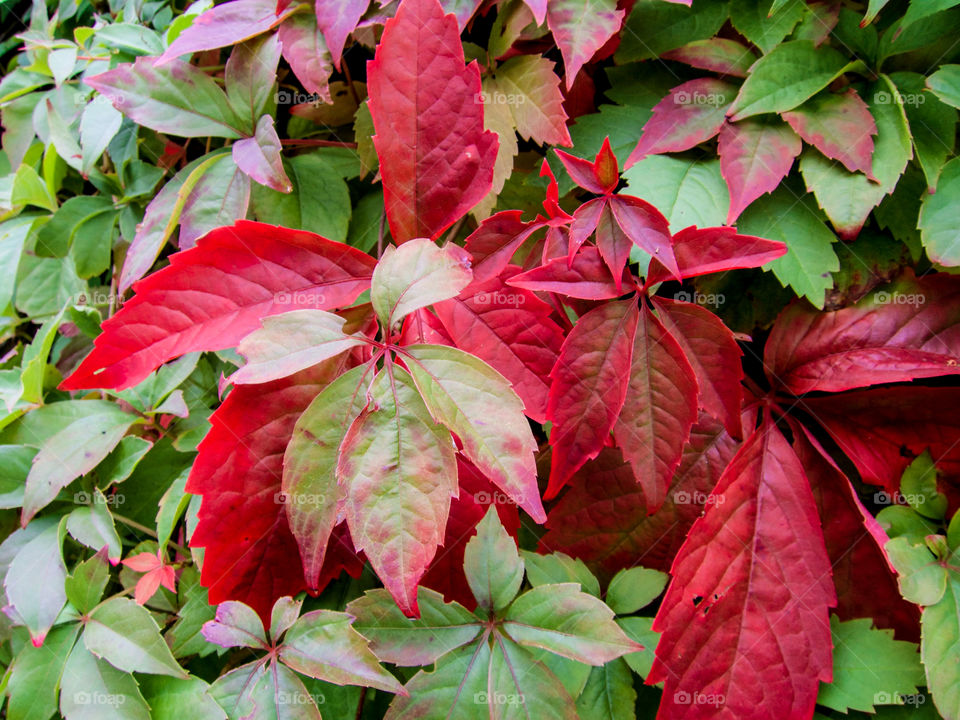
310, 142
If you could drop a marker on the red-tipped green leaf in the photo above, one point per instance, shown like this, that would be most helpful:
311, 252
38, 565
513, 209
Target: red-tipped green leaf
589, 386
580, 28
746, 615
755, 155
690, 114
259, 157
659, 410
435, 157
719, 55
840, 126
398, 470
214, 294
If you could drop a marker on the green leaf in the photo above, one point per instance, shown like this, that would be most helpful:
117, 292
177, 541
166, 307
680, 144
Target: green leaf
34, 581
560, 568
70, 453
640, 630
408, 642
35, 675
220, 197
55, 237
847, 198
688, 192
283, 615
945, 84
562, 619
291, 342
399, 471
185, 637
787, 76
940, 624
492, 564
15, 461
655, 27
810, 257
126, 635
176, 98
99, 123
85, 585
313, 176
176, 699
250, 76
869, 666
609, 693
92, 689
919, 486
939, 229
93, 525
367, 223
415, 275
172, 506
922, 580
634, 588
122, 460
766, 23
45, 285
236, 625
34, 363
29, 189
933, 124
13, 233
323, 645
478, 404
93, 243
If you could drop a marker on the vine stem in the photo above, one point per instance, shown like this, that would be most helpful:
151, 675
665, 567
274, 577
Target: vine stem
363, 697
133, 524
309, 142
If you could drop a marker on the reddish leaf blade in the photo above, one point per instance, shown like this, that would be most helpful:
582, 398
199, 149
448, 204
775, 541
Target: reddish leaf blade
588, 278
745, 616
494, 243
259, 157
584, 224
755, 155
840, 125
612, 243
307, 54
398, 469
435, 157
713, 353
659, 410
909, 330
581, 29
600, 176
242, 521
589, 386
336, 19
854, 541
881, 430
510, 329
214, 294
225, 24
701, 251
603, 520
646, 227
690, 114
719, 55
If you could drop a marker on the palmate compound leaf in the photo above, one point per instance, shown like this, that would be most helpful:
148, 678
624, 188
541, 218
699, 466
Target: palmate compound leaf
744, 621
476, 403
398, 470
321, 644
908, 329
941, 636
491, 666
214, 294
435, 156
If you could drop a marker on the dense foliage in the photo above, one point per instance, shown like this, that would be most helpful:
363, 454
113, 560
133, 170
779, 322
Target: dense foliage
480, 359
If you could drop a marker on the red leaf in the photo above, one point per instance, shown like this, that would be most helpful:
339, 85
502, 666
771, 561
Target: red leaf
840, 126
909, 330
581, 29
855, 543
600, 176
336, 19
746, 614
477, 493
589, 386
225, 24
588, 278
646, 227
584, 224
714, 355
251, 555
690, 114
660, 408
435, 157
881, 430
259, 157
214, 294
303, 48
613, 243
719, 55
755, 155
510, 329
496, 240
701, 251
603, 520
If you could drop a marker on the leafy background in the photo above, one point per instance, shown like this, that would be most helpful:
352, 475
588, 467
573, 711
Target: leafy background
827, 126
